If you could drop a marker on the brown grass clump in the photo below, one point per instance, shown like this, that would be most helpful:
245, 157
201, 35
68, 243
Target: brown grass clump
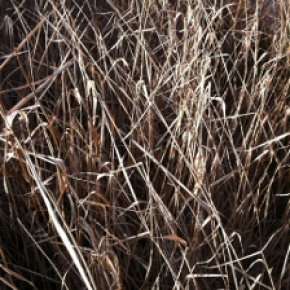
144, 144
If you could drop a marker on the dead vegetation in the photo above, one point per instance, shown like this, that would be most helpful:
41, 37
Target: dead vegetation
144, 145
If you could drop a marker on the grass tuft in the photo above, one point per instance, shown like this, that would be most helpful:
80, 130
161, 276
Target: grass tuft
144, 144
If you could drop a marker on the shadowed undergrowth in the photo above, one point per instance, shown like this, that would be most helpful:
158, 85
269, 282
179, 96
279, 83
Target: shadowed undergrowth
144, 145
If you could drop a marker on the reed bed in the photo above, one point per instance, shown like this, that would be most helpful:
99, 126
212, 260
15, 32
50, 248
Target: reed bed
144, 144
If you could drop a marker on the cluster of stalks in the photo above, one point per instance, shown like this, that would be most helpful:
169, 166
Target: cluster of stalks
144, 144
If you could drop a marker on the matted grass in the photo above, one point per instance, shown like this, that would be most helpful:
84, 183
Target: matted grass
144, 144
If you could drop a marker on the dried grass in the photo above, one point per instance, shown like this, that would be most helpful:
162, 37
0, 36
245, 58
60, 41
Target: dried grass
144, 144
